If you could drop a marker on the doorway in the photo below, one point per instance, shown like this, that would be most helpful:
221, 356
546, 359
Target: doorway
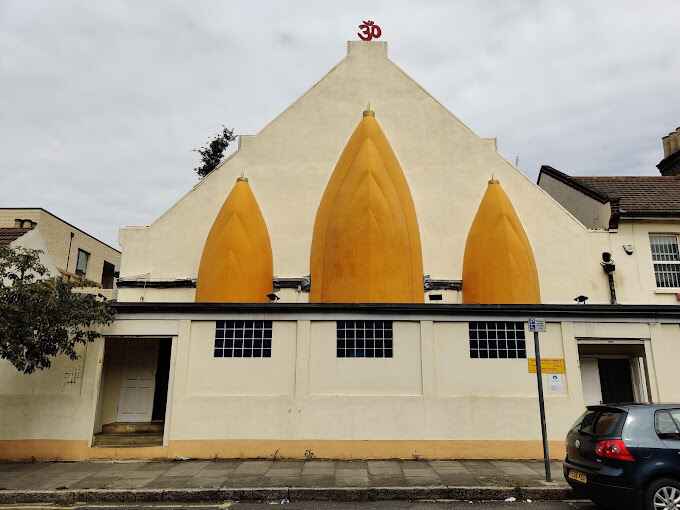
613, 373
108, 275
134, 392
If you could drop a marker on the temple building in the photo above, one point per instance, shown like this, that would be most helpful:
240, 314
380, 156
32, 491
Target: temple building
363, 290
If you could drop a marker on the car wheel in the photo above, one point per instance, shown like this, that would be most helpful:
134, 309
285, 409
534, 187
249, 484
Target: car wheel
663, 494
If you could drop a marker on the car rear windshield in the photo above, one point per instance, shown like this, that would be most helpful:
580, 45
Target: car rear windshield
607, 422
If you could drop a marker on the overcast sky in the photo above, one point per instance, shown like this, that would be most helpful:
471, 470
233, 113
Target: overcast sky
102, 102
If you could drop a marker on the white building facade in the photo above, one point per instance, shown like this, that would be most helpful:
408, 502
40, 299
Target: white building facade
440, 377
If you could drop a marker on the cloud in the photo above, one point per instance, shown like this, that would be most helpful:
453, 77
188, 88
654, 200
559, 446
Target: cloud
101, 103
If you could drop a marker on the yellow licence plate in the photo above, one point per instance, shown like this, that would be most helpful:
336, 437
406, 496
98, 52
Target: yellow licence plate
578, 476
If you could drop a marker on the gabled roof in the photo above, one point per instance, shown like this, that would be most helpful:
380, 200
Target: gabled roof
9, 234
570, 181
629, 195
60, 219
638, 195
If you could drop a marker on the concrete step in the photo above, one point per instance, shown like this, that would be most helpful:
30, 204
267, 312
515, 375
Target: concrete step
128, 440
124, 427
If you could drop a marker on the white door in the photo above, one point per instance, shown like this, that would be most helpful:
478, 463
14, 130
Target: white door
590, 380
139, 381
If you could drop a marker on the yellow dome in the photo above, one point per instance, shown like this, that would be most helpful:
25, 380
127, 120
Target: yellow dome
499, 265
236, 265
366, 245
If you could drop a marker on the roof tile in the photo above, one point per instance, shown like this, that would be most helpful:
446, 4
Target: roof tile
9, 234
638, 195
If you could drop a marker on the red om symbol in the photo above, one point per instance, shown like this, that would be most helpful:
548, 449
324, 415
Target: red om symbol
369, 30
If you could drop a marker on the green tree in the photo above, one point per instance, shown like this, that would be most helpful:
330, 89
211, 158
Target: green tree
41, 316
211, 154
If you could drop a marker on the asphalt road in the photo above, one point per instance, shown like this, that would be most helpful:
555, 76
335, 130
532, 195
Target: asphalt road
318, 505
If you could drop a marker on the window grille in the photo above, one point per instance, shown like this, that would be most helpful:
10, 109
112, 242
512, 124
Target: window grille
497, 340
364, 339
666, 260
243, 339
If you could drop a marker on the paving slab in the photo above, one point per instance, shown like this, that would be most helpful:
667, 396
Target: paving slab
318, 468
385, 473
284, 474
215, 474
318, 473
186, 469
351, 474
254, 467
56, 476
420, 474
515, 469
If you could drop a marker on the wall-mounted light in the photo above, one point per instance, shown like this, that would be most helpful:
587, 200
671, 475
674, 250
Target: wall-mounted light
608, 263
581, 300
609, 267
629, 249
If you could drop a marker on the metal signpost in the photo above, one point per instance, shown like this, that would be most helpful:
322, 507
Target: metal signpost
536, 326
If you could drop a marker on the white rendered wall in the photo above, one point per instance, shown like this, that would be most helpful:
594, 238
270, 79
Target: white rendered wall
590, 212
447, 166
430, 390
56, 403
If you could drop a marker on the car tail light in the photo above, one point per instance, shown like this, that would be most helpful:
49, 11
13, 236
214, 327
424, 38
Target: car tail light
613, 449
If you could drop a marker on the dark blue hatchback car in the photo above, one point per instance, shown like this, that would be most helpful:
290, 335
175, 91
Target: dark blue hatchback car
626, 456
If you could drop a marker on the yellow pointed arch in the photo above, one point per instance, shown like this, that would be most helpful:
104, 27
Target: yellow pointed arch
236, 264
366, 245
499, 265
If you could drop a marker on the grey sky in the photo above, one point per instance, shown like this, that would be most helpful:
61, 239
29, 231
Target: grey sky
102, 102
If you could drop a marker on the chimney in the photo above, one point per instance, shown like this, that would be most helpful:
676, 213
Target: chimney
24, 223
670, 164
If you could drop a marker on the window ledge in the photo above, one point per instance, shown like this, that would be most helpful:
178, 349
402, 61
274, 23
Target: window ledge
667, 291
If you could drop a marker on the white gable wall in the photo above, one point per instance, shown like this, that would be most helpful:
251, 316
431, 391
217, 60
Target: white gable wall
447, 166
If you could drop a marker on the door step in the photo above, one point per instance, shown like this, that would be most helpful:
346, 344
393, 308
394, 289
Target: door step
125, 427
128, 440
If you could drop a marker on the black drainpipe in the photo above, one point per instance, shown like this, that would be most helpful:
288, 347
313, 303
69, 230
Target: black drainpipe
609, 267
68, 256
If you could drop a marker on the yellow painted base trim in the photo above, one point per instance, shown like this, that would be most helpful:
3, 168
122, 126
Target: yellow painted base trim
56, 449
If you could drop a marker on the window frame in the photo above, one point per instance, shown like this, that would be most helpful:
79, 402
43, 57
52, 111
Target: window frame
243, 331
669, 275
87, 261
384, 334
479, 338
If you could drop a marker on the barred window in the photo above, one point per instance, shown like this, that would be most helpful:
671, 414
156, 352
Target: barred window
497, 340
666, 260
364, 339
243, 339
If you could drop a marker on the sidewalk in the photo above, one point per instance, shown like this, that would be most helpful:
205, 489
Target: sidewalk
66, 482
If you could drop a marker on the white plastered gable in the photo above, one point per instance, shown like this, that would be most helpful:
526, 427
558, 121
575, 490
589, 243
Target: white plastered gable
289, 161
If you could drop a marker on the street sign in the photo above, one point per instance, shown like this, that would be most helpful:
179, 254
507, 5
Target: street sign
548, 365
537, 325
